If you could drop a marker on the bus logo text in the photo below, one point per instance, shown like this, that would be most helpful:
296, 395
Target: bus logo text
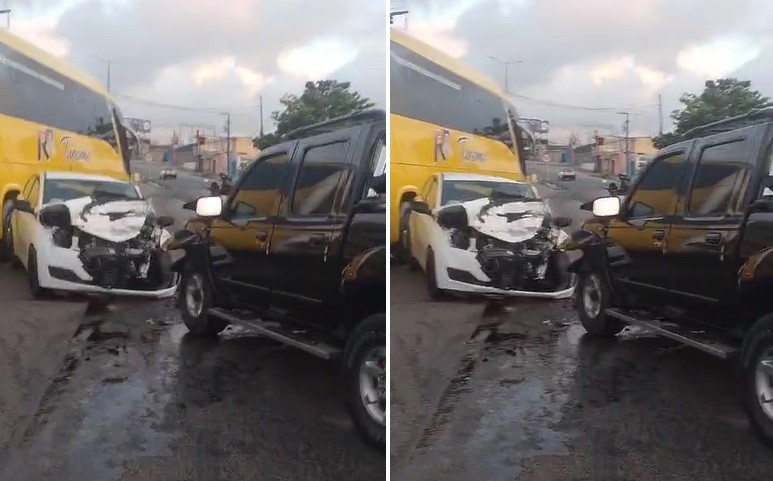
72, 153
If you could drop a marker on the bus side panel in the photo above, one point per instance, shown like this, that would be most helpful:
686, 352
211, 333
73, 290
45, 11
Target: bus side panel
419, 150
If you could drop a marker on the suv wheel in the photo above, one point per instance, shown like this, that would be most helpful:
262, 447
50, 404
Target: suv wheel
592, 299
195, 300
757, 378
366, 379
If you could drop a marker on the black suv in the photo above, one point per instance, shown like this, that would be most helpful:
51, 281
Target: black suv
689, 253
297, 252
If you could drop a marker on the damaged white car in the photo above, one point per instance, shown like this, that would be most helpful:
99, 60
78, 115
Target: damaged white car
487, 235
89, 234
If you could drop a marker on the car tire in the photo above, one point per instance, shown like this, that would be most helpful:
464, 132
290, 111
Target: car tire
365, 378
33, 279
402, 249
196, 298
592, 298
435, 293
756, 377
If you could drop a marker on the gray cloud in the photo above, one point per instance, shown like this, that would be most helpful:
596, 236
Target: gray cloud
148, 39
552, 36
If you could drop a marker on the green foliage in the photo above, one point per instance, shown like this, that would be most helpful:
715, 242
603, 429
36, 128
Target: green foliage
321, 100
721, 99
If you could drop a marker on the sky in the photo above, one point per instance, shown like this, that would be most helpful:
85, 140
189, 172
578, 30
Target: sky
617, 55
211, 56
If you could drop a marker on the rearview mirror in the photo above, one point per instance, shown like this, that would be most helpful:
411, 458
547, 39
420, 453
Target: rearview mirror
57, 215
421, 207
606, 207
164, 221
452, 217
23, 206
209, 206
562, 222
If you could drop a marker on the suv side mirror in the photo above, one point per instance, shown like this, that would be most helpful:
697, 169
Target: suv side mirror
23, 206
604, 207
421, 207
453, 217
57, 215
209, 206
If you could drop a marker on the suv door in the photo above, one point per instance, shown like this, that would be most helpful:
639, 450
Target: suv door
305, 248
245, 227
706, 228
636, 263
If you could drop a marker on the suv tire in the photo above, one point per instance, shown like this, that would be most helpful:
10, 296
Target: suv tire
756, 378
366, 379
195, 300
592, 298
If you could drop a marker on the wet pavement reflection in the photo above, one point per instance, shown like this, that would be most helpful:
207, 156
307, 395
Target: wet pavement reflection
145, 400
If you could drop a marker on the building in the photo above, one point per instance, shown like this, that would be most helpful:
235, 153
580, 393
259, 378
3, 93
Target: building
609, 154
209, 154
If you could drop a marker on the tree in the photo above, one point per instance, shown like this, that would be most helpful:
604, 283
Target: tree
321, 100
721, 99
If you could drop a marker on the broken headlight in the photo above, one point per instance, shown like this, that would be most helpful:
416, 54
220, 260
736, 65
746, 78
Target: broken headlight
460, 239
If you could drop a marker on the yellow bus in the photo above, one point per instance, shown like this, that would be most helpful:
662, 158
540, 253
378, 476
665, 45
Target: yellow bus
53, 118
444, 117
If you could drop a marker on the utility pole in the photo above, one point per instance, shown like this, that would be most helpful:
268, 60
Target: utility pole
261, 115
506, 63
627, 128
228, 140
7, 12
660, 114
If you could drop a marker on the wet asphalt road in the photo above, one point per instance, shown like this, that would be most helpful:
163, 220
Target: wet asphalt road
533, 398
141, 400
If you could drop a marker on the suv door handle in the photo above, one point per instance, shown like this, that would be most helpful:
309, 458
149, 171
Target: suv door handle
714, 238
659, 235
317, 239
261, 236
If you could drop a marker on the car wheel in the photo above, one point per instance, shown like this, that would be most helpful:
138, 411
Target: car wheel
402, 249
435, 293
757, 378
195, 300
33, 280
366, 379
592, 299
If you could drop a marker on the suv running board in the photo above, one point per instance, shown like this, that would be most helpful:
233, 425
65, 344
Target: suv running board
699, 339
301, 339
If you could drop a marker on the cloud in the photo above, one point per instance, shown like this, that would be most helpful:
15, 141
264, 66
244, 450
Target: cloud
212, 53
599, 53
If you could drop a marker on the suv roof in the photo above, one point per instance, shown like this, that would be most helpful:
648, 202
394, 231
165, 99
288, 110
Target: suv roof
753, 117
332, 125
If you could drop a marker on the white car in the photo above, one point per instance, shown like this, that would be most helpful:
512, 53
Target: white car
487, 235
168, 174
567, 174
90, 234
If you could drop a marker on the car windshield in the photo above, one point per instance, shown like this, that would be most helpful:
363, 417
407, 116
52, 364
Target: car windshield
61, 190
456, 191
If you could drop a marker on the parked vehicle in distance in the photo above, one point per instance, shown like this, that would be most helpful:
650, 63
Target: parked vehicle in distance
168, 174
297, 253
487, 235
688, 253
89, 234
567, 174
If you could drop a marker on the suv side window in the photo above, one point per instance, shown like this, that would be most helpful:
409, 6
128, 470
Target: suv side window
766, 190
323, 169
257, 192
656, 193
719, 169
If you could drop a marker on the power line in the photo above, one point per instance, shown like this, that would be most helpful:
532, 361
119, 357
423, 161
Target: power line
549, 103
214, 110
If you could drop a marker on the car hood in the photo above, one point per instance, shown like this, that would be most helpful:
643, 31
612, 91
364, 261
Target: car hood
512, 222
115, 221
